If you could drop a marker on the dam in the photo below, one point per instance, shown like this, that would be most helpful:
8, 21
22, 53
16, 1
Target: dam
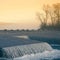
12, 46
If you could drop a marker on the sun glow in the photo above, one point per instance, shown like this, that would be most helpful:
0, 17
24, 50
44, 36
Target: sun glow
22, 11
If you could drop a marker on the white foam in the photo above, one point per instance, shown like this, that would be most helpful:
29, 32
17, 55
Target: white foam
54, 54
55, 44
24, 37
17, 51
47, 55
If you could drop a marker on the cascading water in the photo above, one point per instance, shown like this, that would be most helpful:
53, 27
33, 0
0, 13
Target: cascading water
19, 51
22, 48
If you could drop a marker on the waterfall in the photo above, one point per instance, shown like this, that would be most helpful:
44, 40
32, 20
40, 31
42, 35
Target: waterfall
21, 50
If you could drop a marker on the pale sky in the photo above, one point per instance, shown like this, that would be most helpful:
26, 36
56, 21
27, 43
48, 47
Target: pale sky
21, 12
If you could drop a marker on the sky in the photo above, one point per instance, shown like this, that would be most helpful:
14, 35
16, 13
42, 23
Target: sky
21, 13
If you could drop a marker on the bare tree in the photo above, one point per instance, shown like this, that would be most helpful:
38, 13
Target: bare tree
54, 13
50, 13
57, 12
39, 17
43, 17
46, 11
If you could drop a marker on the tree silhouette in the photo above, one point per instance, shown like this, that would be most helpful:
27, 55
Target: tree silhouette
50, 13
57, 12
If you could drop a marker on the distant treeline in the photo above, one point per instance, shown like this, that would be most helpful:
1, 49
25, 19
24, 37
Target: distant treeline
27, 30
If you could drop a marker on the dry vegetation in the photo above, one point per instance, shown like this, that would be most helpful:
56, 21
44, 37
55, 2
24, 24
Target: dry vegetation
51, 13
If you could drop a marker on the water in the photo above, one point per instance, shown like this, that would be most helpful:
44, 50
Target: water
56, 46
19, 51
23, 36
49, 51
45, 55
54, 43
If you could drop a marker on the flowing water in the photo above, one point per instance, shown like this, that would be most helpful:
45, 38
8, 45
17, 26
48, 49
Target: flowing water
39, 51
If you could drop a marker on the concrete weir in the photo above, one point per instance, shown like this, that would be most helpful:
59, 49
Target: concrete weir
12, 47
